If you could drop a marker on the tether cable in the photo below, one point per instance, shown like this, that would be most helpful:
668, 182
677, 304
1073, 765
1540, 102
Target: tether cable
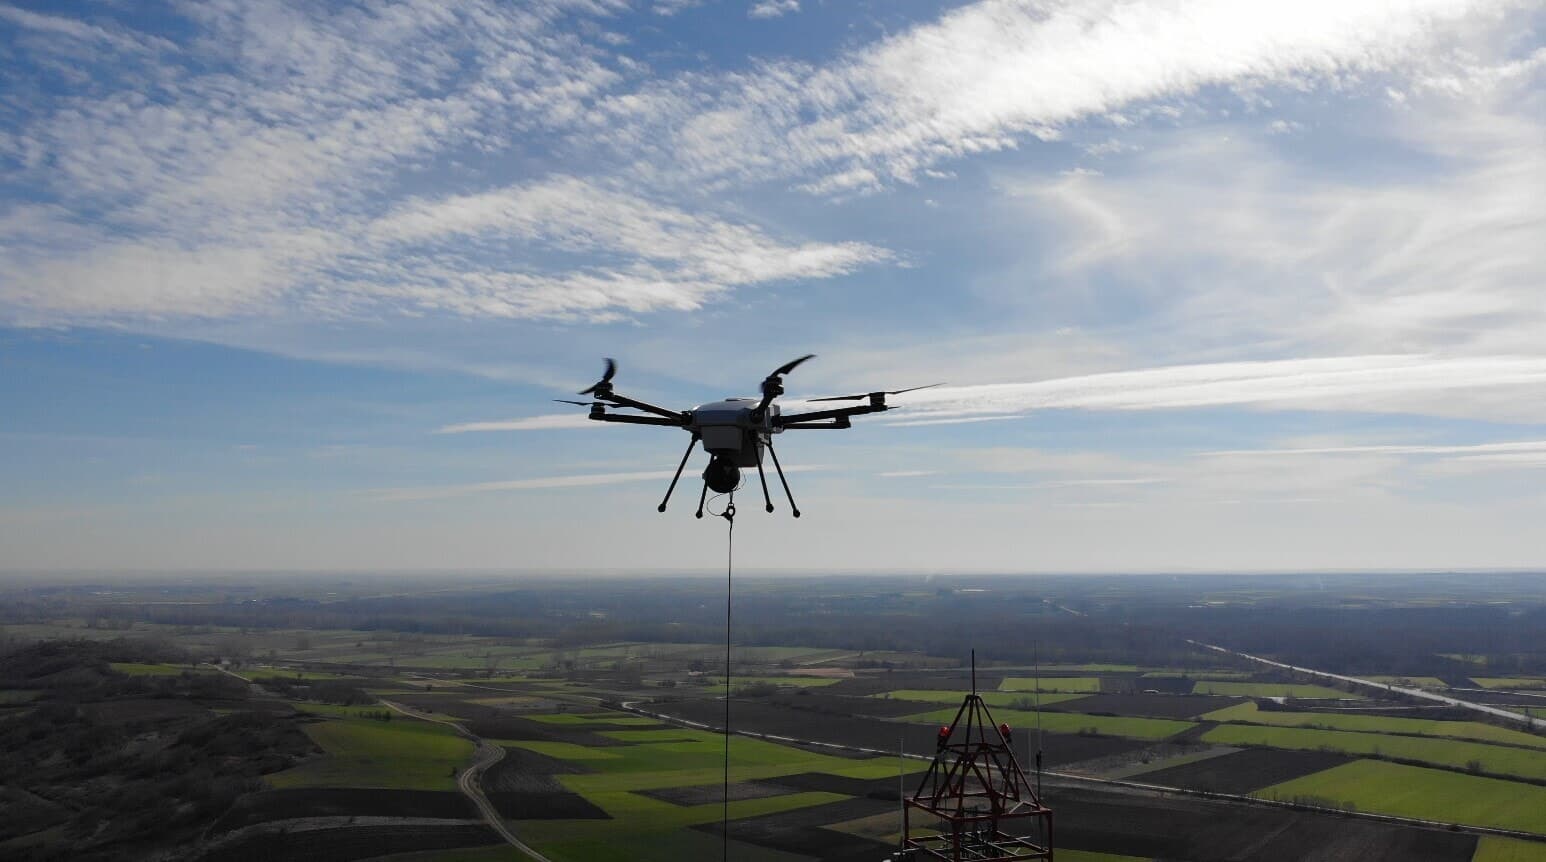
729, 516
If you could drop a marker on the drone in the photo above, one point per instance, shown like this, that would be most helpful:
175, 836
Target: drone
733, 431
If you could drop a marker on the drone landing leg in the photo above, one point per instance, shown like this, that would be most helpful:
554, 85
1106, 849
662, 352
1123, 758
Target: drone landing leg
764, 477
685, 455
780, 468
701, 497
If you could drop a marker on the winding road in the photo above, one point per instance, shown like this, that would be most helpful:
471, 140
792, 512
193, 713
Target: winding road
487, 754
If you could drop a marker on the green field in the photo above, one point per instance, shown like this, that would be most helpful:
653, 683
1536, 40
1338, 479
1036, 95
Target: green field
795, 681
1454, 753
575, 719
403, 754
995, 699
1269, 689
1071, 722
1430, 794
137, 669
1086, 684
1411, 681
1473, 730
287, 673
1513, 682
650, 829
496, 853
1492, 848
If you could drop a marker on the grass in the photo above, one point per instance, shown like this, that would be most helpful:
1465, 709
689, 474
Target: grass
495, 853
649, 829
137, 669
1269, 689
574, 719
1472, 730
1072, 722
796, 681
1091, 856
1492, 848
286, 673
1453, 753
1508, 682
994, 699
1411, 681
401, 754
1430, 794
1085, 684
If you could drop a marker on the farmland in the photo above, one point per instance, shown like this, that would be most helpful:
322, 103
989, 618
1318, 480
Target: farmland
1070, 722
1283, 690
544, 672
1429, 794
1455, 754
1472, 730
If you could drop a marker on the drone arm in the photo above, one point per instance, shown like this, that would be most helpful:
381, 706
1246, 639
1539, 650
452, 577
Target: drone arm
841, 413
674, 422
836, 424
625, 401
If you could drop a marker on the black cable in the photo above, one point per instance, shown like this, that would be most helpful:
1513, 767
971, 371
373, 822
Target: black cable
729, 516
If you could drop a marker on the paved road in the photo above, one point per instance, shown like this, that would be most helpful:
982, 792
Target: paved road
487, 754
1518, 718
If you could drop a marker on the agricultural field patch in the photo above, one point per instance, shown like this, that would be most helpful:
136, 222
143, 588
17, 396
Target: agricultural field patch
1090, 684
1149, 705
1411, 681
349, 843
1106, 821
781, 681
272, 805
1060, 748
397, 754
1243, 771
1456, 754
1430, 794
544, 805
1272, 689
997, 699
1509, 682
139, 669
1072, 722
704, 794
1471, 730
1494, 848
492, 853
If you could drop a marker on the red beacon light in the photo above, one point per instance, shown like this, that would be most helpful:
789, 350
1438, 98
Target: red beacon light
1004, 729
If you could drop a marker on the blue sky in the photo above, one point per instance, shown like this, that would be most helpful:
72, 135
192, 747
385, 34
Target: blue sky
1214, 285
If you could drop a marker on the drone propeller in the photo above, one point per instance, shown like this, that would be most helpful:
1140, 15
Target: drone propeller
604, 385
577, 403
773, 385
873, 394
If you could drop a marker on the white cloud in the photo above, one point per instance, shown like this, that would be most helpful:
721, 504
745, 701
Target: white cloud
988, 75
546, 422
1412, 383
441, 492
773, 8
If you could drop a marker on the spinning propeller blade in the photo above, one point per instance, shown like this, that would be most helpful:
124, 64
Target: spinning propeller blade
873, 394
791, 365
605, 383
577, 403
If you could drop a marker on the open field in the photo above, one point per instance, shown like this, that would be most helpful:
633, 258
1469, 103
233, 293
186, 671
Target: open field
1242, 771
1455, 754
1511, 682
362, 752
1471, 730
1051, 683
1411, 681
994, 699
1270, 689
1492, 848
1430, 794
140, 669
1072, 722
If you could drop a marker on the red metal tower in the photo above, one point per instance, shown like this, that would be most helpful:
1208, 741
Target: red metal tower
975, 799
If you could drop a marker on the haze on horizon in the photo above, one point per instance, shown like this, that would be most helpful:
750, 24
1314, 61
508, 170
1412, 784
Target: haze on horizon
1214, 286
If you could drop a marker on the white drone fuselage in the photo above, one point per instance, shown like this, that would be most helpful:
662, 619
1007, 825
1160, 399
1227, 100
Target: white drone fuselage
729, 429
